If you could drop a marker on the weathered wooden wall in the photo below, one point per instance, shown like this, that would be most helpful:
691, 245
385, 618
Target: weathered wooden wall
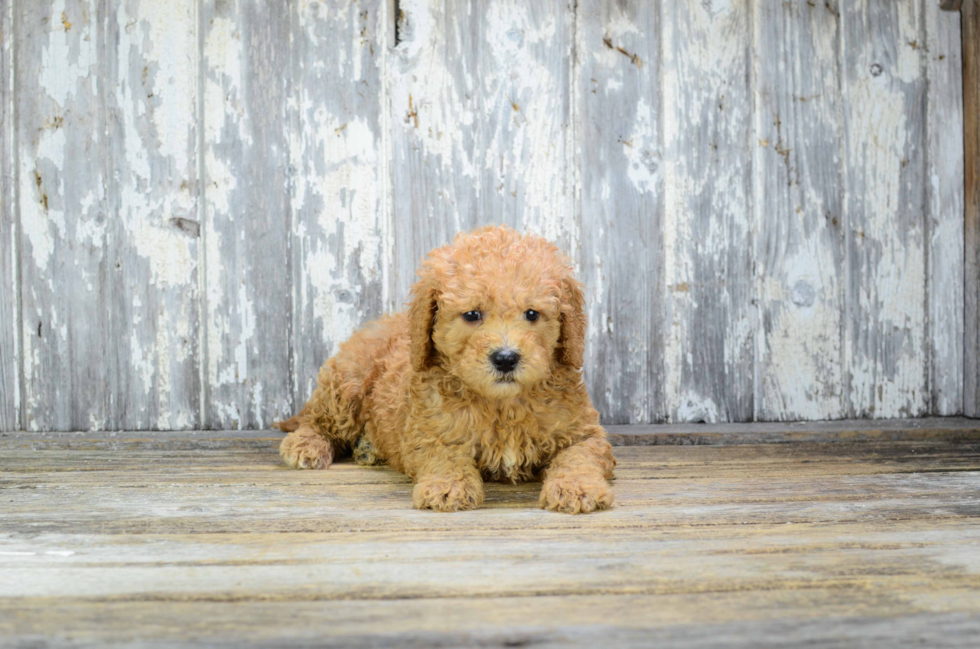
202, 198
971, 137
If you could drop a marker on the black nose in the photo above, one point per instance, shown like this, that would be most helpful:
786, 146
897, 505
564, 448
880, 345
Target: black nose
505, 360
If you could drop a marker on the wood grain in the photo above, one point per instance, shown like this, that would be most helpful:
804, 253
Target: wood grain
480, 124
62, 179
545, 621
799, 246
971, 141
869, 543
621, 189
153, 227
201, 199
945, 209
339, 206
710, 341
886, 234
10, 364
246, 226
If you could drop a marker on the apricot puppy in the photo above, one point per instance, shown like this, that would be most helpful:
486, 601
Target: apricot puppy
480, 380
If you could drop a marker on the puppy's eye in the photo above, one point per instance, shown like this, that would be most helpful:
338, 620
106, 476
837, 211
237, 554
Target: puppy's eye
531, 315
472, 316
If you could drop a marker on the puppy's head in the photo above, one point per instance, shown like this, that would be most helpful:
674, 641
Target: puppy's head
498, 310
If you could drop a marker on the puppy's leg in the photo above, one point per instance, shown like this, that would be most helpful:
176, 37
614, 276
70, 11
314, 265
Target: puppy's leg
329, 422
448, 483
306, 449
319, 429
575, 481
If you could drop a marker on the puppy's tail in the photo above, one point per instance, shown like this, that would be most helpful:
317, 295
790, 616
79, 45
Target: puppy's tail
291, 424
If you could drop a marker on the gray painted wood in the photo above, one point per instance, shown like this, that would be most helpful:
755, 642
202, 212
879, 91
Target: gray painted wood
884, 91
559, 622
480, 121
620, 170
870, 545
153, 229
944, 191
799, 242
9, 316
971, 137
248, 306
691, 156
709, 355
340, 167
62, 180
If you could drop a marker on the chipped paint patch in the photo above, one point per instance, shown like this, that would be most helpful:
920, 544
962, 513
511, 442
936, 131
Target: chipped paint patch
798, 220
885, 355
709, 351
640, 149
339, 188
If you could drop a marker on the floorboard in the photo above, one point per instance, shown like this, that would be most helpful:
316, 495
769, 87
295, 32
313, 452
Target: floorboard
205, 539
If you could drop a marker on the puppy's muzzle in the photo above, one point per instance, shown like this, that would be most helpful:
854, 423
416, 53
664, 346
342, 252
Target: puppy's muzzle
505, 360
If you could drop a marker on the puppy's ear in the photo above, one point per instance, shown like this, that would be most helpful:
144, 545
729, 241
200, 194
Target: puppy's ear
571, 341
421, 316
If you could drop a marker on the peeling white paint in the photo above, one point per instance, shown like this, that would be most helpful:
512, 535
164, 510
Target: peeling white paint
436, 101
885, 355
694, 407
41, 206
170, 257
10, 346
156, 99
339, 189
706, 220
798, 248
640, 150
392, 151
946, 269
222, 91
66, 57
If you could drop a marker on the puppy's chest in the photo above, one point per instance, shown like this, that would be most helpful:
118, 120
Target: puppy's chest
513, 451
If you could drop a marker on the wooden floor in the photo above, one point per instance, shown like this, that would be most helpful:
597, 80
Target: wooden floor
170, 540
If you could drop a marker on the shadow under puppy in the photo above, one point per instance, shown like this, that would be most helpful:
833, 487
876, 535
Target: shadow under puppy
480, 379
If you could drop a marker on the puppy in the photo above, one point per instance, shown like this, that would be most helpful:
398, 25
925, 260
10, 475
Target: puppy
480, 380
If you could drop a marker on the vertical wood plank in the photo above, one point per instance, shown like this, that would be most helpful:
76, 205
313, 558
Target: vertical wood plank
884, 116
339, 201
62, 202
9, 317
620, 158
707, 233
246, 230
970, 20
151, 84
799, 245
944, 188
434, 114
480, 122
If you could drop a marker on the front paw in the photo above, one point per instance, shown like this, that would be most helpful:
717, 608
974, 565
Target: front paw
446, 494
576, 495
305, 449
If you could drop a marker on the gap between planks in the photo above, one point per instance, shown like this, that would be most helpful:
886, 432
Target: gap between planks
952, 429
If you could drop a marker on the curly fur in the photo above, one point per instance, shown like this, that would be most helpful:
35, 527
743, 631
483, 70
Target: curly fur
418, 390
